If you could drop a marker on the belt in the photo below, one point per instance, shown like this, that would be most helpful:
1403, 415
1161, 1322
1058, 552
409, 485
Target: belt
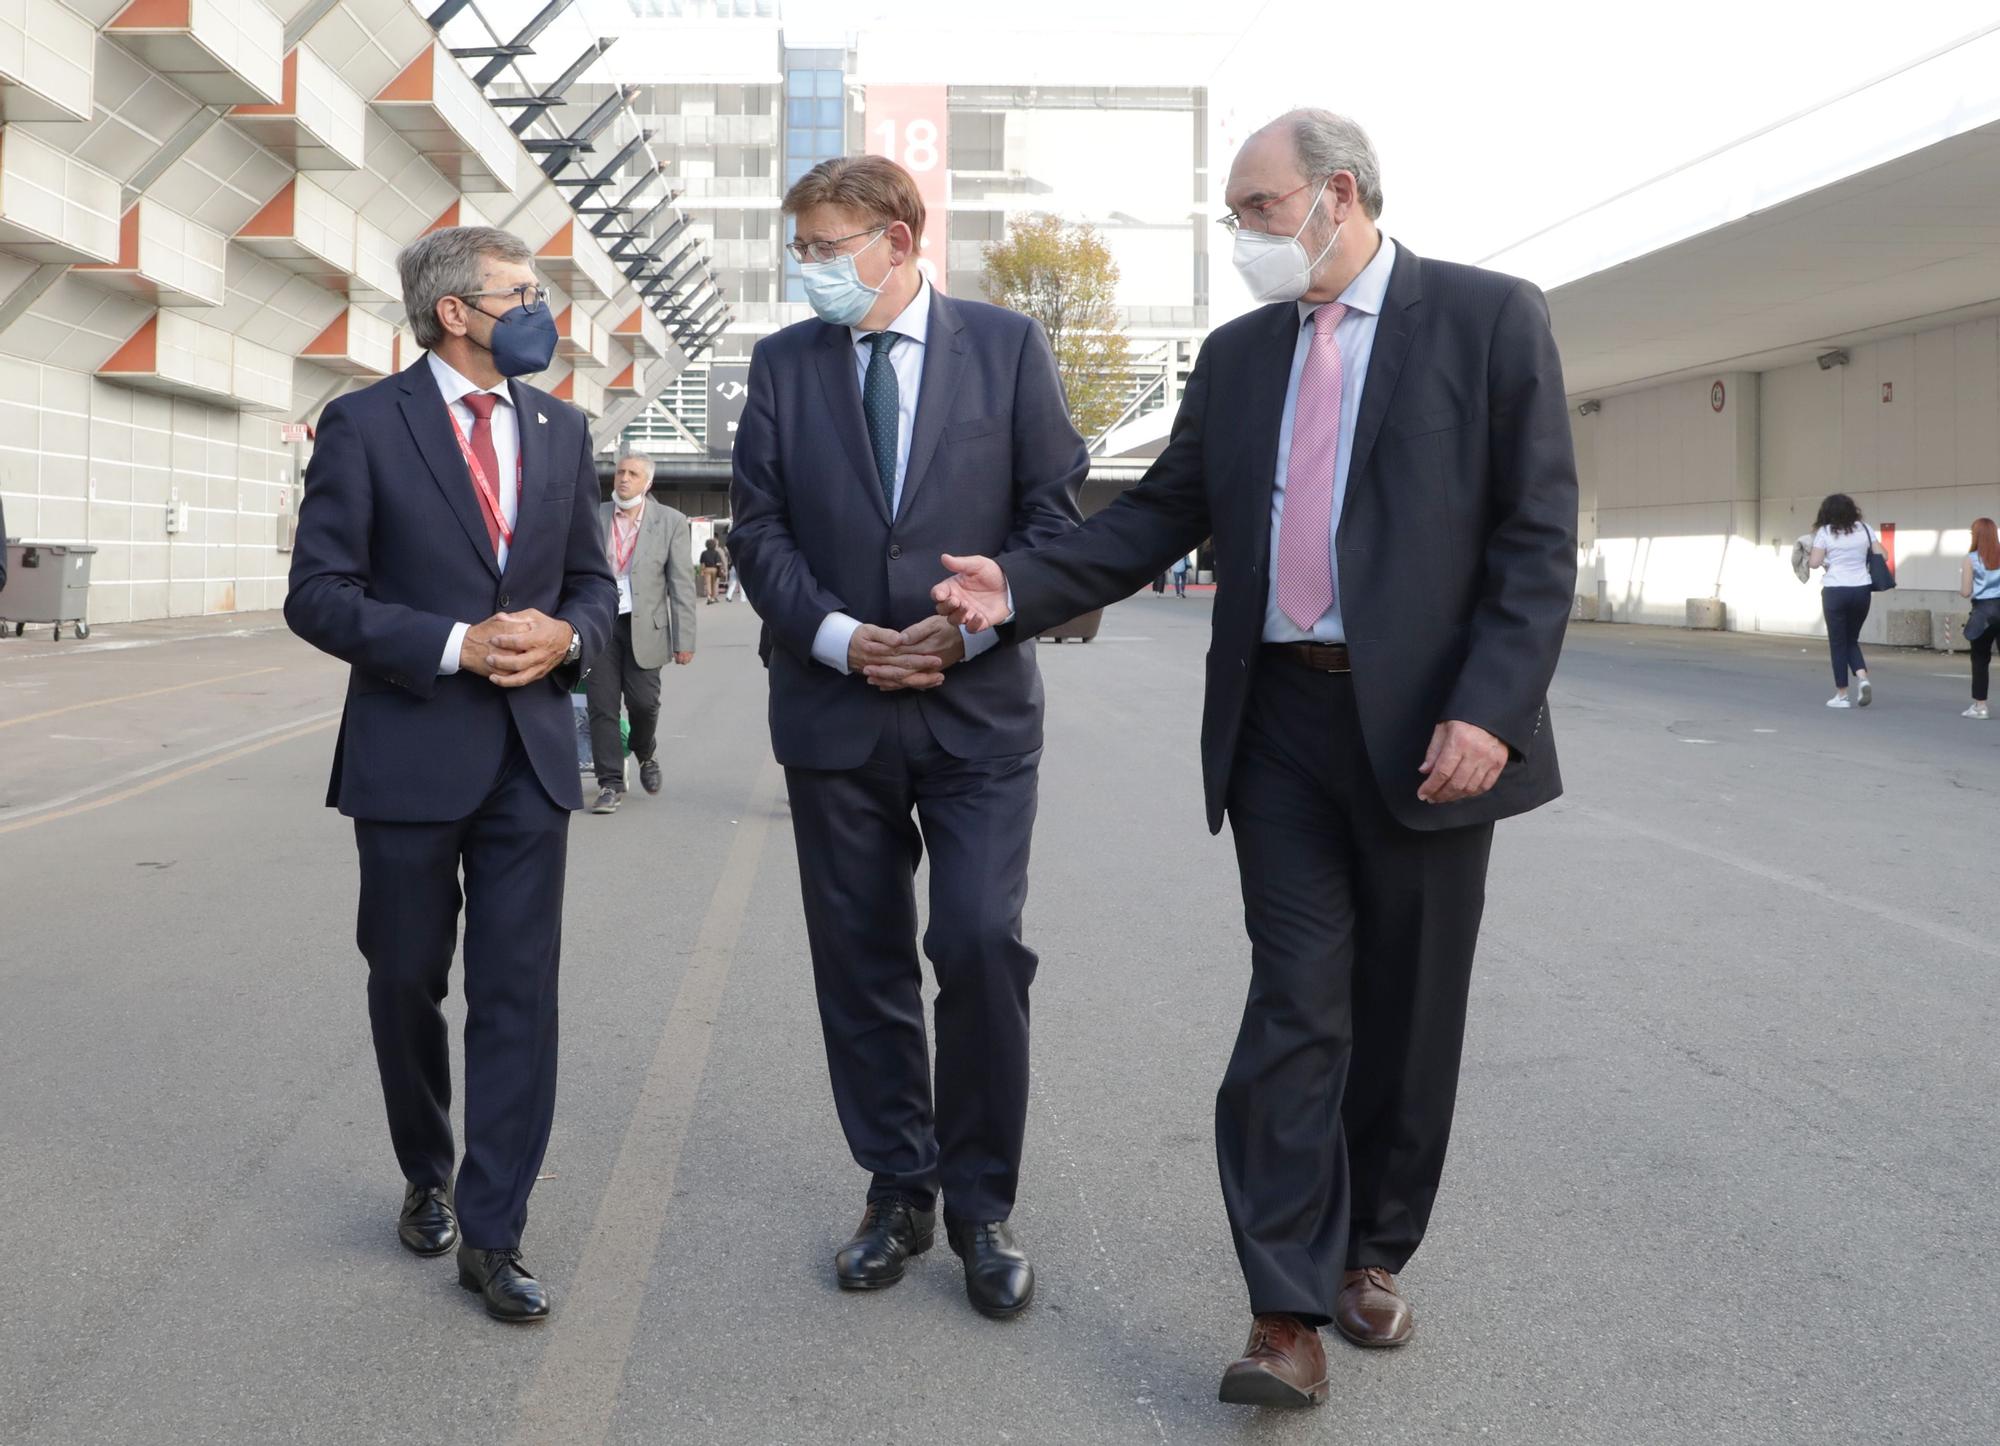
1316, 657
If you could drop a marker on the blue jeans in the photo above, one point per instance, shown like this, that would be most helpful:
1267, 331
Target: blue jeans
1846, 610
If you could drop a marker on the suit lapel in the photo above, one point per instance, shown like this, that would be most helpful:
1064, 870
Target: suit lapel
944, 365
1393, 331
534, 444
835, 354
430, 425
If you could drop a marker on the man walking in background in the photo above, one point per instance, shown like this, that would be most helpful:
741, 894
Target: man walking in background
449, 551
648, 545
900, 424
1382, 454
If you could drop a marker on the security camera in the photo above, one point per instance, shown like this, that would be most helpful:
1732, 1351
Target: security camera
1828, 360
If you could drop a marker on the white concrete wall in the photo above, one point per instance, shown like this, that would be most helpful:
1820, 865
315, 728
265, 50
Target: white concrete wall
1682, 502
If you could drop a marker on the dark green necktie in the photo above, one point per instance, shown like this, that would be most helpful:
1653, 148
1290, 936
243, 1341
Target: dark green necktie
880, 403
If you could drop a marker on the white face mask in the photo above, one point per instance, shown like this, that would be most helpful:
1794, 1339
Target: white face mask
629, 504
1276, 268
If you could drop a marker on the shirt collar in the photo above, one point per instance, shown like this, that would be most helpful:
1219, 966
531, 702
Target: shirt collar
913, 322
1366, 292
454, 386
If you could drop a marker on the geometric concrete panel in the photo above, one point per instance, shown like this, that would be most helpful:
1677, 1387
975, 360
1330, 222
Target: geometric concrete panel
176, 355
318, 125
165, 258
221, 52
643, 332
305, 230
577, 262
629, 382
443, 116
580, 392
461, 212
581, 341
357, 344
375, 277
53, 207
47, 56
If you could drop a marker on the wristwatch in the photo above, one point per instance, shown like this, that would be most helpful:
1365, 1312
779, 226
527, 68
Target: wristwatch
575, 653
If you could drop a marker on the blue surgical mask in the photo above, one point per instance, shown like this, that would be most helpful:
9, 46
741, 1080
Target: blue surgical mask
838, 295
523, 341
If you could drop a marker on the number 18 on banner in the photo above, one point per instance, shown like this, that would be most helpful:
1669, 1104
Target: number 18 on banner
907, 123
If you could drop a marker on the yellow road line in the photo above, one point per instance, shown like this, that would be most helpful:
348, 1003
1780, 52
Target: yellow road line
164, 779
130, 697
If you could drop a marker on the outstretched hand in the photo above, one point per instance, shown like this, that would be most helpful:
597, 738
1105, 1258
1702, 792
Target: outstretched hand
975, 596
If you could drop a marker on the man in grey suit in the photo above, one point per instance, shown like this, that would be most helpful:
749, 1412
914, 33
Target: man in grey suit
900, 425
648, 545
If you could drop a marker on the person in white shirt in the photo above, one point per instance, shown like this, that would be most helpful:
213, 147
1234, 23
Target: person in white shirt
1841, 542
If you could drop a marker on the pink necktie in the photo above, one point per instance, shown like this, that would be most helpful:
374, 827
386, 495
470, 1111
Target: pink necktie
1305, 526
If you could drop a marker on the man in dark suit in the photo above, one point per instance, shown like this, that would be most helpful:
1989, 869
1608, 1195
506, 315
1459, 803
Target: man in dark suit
448, 549
901, 424
1382, 456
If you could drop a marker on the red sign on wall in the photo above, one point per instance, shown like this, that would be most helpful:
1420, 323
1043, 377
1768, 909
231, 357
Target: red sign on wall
907, 123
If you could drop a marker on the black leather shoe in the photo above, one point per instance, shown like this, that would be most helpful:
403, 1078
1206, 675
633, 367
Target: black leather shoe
428, 1225
649, 774
998, 1279
891, 1231
510, 1292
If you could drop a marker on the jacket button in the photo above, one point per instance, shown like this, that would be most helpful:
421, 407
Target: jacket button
895, 551
505, 602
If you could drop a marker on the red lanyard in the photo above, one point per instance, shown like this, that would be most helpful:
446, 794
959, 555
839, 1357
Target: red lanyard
489, 498
621, 557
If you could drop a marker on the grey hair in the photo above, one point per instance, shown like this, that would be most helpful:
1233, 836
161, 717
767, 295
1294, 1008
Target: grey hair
1328, 142
641, 458
447, 262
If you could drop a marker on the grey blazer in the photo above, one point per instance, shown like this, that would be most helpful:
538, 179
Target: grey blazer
662, 583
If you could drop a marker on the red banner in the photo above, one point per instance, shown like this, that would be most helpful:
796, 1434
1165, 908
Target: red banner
907, 123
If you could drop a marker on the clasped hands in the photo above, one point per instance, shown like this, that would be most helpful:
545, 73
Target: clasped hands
1463, 760
915, 658
514, 649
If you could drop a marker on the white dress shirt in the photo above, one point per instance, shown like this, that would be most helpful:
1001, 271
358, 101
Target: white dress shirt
1355, 336
506, 451
836, 630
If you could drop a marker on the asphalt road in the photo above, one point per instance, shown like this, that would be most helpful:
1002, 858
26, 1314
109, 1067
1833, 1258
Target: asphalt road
1724, 1170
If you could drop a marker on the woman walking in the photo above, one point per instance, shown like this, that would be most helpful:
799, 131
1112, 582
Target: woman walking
1979, 579
1841, 543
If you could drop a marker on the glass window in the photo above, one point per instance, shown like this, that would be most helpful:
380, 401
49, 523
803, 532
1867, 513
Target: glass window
798, 143
796, 167
828, 112
799, 82
799, 112
830, 143
827, 82
757, 162
795, 288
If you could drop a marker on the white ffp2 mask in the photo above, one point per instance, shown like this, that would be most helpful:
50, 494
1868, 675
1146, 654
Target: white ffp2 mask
1276, 268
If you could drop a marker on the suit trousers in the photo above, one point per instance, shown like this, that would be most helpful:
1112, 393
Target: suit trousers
861, 833
617, 677
512, 851
1333, 1116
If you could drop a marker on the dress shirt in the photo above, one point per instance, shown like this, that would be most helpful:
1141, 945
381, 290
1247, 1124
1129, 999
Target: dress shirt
836, 630
624, 575
1355, 336
506, 452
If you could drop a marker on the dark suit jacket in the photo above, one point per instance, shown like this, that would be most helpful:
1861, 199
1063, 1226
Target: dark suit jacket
994, 466
392, 552
1457, 542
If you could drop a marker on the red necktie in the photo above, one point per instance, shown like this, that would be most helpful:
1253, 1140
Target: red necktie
481, 405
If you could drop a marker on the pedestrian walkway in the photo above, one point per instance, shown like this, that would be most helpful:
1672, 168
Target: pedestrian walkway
1722, 1170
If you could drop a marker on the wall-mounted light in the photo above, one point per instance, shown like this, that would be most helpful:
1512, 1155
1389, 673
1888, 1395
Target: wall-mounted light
1828, 360
1590, 408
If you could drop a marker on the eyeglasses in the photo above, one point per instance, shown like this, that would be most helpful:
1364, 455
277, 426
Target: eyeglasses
529, 296
1230, 221
827, 250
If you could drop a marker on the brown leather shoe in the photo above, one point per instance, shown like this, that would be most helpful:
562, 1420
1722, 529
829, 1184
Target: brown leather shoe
1371, 1311
1284, 1365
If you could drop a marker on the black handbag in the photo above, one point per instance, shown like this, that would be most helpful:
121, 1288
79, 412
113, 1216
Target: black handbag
1880, 579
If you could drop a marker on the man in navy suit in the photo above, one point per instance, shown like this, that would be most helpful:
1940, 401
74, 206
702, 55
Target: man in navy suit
900, 425
448, 550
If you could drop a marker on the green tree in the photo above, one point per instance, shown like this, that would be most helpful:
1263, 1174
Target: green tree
1063, 276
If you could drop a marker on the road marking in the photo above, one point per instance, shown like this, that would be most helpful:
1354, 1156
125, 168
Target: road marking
575, 1391
85, 800
1888, 913
131, 697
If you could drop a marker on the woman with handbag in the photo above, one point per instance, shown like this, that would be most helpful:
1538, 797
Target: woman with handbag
1979, 580
1842, 545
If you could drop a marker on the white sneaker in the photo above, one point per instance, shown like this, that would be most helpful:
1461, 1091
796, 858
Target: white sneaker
1867, 692
1977, 710
1837, 701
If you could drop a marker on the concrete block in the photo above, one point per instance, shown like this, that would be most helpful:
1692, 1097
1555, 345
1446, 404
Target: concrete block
1584, 610
1706, 613
1908, 628
1948, 630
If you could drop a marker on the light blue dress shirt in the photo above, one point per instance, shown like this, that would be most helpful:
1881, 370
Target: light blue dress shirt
836, 630
1355, 336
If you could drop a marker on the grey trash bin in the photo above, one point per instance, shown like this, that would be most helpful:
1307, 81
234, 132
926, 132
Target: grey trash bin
47, 583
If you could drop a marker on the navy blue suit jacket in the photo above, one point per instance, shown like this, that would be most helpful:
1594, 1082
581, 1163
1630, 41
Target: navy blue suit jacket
994, 466
392, 552
1457, 541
